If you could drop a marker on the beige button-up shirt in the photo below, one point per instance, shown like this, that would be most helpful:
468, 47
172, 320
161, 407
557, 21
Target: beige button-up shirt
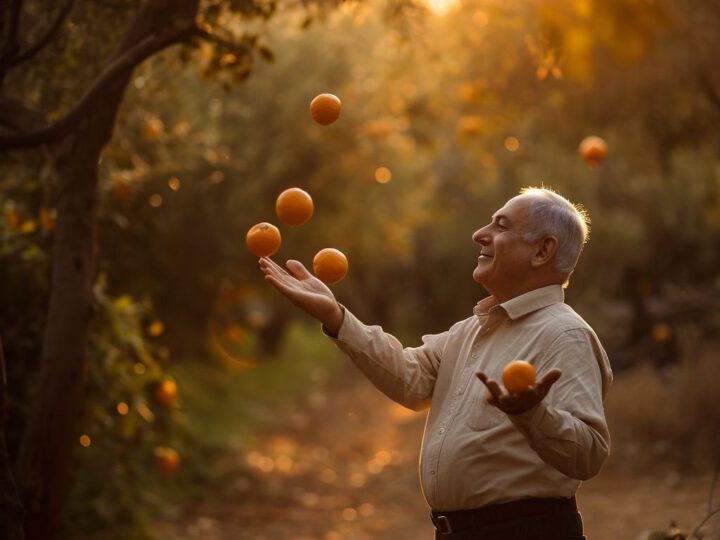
472, 453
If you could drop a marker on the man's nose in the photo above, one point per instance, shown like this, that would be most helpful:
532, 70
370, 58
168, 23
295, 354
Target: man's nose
481, 237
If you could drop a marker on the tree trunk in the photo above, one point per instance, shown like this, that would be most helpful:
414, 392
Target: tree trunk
11, 512
54, 422
52, 429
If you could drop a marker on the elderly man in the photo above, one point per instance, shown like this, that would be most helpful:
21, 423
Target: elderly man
494, 465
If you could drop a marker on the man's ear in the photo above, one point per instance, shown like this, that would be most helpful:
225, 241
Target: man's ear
546, 249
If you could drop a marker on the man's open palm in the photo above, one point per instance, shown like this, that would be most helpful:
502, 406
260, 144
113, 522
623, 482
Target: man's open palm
302, 289
525, 400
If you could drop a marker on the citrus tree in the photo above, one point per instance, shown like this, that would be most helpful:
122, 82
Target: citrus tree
89, 51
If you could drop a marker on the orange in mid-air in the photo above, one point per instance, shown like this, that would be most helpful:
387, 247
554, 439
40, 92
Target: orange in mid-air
330, 265
294, 206
518, 375
325, 108
593, 150
167, 460
263, 239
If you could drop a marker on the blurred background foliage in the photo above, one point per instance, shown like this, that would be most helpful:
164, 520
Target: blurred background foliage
449, 109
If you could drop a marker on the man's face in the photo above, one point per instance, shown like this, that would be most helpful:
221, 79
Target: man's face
504, 263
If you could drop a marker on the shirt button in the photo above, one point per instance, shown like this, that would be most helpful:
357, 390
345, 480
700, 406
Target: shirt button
442, 430
432, 473
475, 355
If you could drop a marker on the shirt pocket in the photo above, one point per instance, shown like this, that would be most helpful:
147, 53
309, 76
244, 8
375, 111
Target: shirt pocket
482, 416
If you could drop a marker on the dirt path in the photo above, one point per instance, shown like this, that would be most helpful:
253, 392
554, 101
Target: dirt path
343, 466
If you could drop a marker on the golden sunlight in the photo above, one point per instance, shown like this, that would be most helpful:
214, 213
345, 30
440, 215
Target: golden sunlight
441, 7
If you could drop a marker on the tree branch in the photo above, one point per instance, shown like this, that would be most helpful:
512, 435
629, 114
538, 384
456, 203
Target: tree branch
122, 64
236, 48
44, 40
17, 116
10, 46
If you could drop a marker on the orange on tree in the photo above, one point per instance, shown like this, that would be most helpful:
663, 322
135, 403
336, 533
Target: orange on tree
661, 332
12, 219
166, 393
518, 375
294, 206
263, 239
325, 108
330, 265
154, 128
167, 460
593, 150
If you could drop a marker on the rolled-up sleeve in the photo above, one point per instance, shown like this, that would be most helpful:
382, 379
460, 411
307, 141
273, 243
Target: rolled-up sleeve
568, 429
405, 374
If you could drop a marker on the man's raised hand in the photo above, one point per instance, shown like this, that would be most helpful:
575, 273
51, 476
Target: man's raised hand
305, 291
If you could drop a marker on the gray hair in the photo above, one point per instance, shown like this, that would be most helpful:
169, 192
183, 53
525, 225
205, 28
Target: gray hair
552, 214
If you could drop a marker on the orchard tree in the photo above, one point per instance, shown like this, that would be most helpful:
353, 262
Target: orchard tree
47, 51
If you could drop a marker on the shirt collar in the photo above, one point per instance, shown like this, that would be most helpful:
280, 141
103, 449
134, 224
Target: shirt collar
523, 304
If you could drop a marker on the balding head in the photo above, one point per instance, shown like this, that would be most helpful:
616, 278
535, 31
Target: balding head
552, 214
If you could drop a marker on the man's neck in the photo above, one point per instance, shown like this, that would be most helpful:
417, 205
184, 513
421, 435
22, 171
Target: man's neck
502, 296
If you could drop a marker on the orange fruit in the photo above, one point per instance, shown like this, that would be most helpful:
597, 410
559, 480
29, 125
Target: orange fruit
166, 393
12, 219
167, 460
263, 239
661, 332
122, 191
48, 220
330, 265
593, 150
518, 375
325, 108
154, 128
294, 206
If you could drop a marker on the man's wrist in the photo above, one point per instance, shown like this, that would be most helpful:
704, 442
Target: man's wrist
334, 321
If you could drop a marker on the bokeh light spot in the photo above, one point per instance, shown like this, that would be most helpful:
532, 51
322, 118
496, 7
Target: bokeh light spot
383, 175
512, 144
349, 514
480, 18
155, 200
328, 476
174, 183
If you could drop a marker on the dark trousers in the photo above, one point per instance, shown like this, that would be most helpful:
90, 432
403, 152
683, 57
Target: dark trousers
560, 523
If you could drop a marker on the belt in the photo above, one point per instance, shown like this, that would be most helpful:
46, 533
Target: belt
465, 520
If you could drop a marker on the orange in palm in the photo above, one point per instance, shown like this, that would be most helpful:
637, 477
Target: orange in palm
294, 206
330, 265
263, 239
518, 375
325, 108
